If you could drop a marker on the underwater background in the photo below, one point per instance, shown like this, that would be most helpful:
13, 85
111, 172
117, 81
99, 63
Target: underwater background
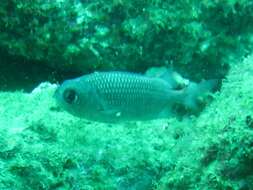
44, 42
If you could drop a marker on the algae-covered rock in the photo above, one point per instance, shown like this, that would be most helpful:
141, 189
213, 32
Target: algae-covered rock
43, 147
223, 145
132, 35
46, 148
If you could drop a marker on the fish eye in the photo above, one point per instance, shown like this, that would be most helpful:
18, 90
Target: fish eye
70, 96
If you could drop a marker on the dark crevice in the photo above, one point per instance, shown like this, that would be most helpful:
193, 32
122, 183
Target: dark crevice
16, 73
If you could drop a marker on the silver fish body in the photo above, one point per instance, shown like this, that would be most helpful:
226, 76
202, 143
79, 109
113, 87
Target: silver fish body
118, 96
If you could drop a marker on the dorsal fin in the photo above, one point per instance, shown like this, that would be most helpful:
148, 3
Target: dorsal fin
175, 80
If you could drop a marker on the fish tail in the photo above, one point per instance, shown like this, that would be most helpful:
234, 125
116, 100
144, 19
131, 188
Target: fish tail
195, 94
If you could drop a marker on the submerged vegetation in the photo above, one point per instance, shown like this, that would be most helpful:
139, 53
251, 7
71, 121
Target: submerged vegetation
85, 35
45, 148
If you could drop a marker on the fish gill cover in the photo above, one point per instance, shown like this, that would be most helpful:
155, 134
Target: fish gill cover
43, 147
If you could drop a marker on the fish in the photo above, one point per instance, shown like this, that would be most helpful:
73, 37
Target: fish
116, 96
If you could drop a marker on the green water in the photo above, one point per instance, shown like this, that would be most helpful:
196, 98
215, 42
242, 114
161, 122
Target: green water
43, 147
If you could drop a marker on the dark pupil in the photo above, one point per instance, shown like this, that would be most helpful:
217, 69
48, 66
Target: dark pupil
70, 96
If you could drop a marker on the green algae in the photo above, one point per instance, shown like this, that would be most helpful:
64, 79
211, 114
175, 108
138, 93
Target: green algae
223, 143
89, 35
43, 147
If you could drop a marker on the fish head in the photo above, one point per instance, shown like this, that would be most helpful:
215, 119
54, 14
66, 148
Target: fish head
74, 96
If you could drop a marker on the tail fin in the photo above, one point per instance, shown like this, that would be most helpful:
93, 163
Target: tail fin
196, 94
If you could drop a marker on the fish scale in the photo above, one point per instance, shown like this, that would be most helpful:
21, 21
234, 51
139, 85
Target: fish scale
123, 89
